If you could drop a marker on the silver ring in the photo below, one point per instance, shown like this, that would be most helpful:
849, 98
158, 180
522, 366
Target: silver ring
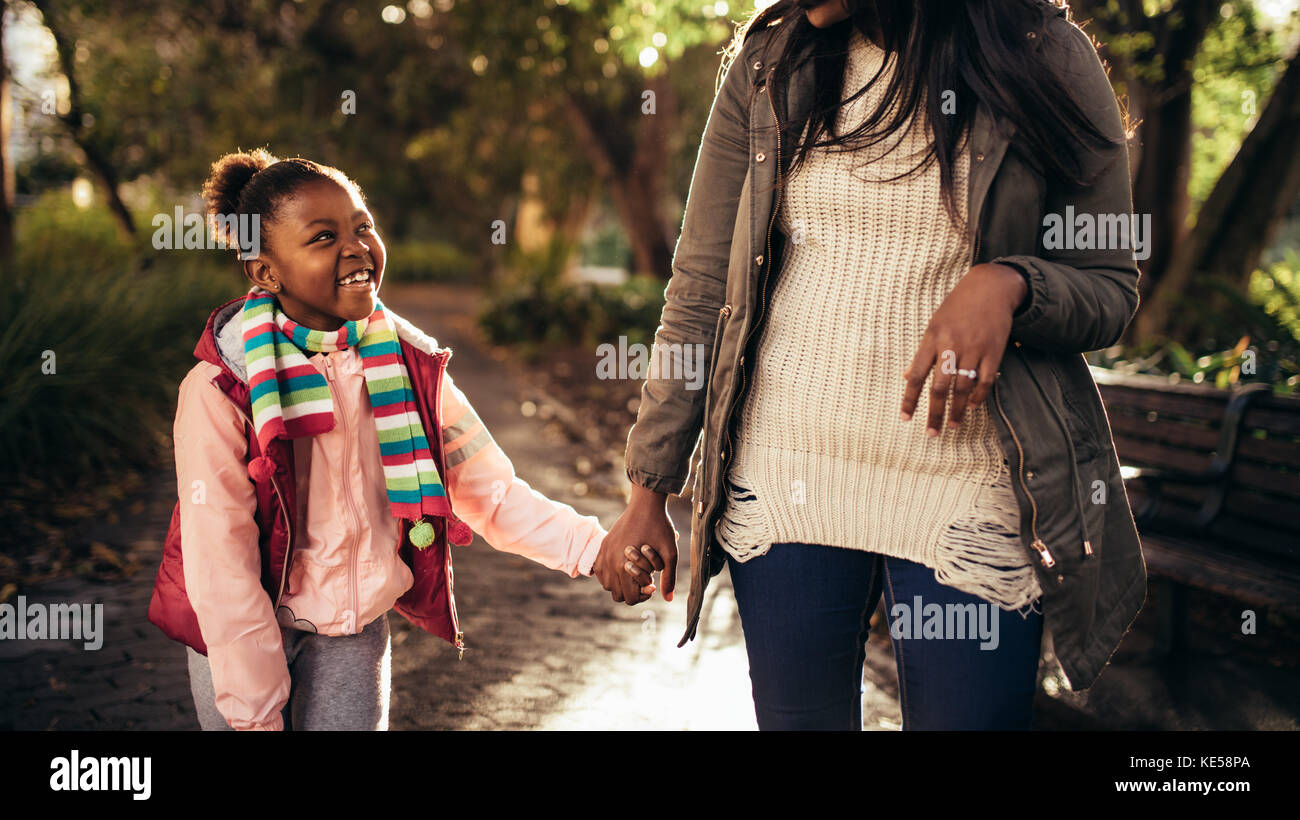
970, 373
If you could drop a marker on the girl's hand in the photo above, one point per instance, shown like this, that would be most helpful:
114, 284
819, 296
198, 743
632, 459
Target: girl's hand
968, 333
640, 563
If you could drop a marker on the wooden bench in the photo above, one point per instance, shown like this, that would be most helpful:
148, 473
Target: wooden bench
1214, 480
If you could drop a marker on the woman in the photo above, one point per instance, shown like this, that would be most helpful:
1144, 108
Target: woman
865, 218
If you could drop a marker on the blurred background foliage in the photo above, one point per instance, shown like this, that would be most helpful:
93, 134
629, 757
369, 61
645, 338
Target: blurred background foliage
95, 333
573, 125
534, 307
1262, 325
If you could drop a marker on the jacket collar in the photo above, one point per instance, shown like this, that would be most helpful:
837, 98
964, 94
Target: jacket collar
222, 341
210, 349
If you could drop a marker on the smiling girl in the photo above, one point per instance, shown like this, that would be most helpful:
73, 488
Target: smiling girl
321, 448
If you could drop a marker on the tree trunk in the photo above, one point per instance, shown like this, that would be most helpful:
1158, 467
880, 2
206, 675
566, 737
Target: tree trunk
1160, 185
99, 164
632, 166
1162, 156
104, 173
635, 197
1241, 215
6, 159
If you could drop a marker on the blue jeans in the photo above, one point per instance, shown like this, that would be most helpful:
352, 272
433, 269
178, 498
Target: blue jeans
805, 610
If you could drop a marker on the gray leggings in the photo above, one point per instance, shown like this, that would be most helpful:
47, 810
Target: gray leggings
337, 682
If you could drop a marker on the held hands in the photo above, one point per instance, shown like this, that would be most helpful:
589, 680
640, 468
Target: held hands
642, 541
967, 336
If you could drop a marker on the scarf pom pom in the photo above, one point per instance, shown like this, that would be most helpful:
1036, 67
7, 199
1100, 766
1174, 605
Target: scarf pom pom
458, 532
421, 534
261, 468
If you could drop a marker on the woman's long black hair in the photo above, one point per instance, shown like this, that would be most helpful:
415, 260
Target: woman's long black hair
980, 50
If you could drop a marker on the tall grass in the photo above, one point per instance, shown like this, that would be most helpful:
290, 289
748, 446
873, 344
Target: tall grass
116, 322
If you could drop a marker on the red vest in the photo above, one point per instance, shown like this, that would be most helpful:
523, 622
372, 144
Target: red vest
428, 603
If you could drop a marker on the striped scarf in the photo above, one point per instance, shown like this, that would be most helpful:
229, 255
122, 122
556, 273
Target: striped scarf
291, 398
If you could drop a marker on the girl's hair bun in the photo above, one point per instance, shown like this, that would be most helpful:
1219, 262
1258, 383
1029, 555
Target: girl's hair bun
237, 187
228, 177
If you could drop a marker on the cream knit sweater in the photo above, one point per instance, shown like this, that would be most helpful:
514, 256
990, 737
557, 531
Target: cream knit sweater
821, 455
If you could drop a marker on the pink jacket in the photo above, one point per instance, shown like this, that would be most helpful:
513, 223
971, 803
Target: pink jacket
345, 569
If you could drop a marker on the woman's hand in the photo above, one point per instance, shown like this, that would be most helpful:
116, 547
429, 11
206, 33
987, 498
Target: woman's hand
645, 522
967, 336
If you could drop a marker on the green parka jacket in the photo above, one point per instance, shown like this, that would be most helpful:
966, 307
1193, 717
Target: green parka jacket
1076, 523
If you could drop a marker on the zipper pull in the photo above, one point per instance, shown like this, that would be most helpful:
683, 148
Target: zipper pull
460, 646
1047, 559
1087, 548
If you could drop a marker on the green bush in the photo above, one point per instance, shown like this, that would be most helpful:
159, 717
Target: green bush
531, 306
425, 261
1276, 291
1263, 326
608, 248
631, 309
116, 323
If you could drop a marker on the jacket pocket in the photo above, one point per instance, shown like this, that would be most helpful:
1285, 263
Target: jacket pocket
1082, 426
316, 590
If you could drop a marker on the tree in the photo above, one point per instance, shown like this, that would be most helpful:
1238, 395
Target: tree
1152, 50
163, 89
80, 121
600, 74
453, 105
6, 159
1241, 215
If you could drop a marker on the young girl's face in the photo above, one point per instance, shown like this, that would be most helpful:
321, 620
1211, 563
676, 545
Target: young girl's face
325, 256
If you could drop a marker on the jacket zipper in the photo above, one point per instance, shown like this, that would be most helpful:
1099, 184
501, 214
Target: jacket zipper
1044, 554
1038, 543
288, 528
1065, 430
442, 461
352, 510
